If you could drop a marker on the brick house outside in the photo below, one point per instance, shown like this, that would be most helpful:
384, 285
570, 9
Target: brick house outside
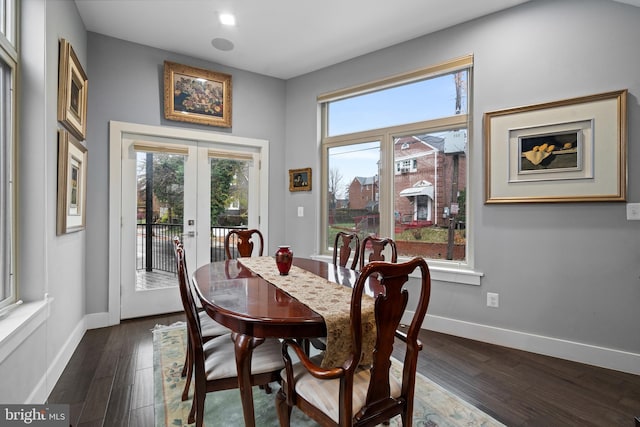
426, 177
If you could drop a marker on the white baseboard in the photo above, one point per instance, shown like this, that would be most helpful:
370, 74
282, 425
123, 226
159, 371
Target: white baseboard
569, 350
97, 320
43, 389
54, 371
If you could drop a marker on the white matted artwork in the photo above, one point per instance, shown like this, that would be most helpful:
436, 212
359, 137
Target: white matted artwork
552, 152
565, 151
72, 184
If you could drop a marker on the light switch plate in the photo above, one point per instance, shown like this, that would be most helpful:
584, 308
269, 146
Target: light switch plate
633, 211
300, 210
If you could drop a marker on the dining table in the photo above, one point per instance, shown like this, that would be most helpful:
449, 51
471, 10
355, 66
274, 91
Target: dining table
255, 309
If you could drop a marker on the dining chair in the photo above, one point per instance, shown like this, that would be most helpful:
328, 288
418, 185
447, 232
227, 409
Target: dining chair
377, 245
342, 249
210, 329
214, 362
341, 253
353, 395
239, 243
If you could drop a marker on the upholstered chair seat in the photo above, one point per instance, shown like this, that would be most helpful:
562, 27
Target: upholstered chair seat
220, 359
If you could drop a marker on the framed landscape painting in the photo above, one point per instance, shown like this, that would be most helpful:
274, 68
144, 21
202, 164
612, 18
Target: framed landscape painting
196, 95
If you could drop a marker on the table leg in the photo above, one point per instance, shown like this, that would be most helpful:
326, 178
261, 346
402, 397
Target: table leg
244, 349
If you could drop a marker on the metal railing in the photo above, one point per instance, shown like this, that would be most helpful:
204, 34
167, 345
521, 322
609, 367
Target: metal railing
156, 253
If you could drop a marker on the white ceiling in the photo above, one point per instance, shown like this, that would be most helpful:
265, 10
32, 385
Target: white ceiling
280, 38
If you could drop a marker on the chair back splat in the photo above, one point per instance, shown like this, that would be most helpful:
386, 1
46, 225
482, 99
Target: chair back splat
378, 245
342, 249
240, 243
353, 395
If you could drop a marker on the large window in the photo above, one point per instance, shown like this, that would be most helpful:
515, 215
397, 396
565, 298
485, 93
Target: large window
395, 161
8, 65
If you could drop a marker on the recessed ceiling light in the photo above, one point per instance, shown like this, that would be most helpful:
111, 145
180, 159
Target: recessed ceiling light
227, 19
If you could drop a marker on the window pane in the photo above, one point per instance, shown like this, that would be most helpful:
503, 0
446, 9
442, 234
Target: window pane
429, 194
7, 20
160, 207
434, 98
7, 289
353, 185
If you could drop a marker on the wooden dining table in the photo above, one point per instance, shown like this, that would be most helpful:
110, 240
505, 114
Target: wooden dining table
255, 309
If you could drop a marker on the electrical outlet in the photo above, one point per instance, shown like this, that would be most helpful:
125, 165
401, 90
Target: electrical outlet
493, 300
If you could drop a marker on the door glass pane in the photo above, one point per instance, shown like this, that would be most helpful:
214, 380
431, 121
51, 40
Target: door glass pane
160, 207
429, 194
229, 201
353, 186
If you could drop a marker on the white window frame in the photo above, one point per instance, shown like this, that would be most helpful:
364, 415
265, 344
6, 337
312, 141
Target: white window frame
8, 133
450, 271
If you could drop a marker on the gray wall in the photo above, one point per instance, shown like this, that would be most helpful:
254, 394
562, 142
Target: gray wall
47, 264
126, 84
567, 271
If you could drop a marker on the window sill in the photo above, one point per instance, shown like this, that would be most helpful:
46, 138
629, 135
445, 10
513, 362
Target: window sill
439, 272
18, 324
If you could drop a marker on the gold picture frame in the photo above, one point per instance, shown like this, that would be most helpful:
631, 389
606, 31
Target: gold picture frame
196, 95
300, 179
72, 91
72, 184
573, 150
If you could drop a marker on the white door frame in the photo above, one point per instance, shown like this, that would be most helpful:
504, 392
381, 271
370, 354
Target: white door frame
119, 130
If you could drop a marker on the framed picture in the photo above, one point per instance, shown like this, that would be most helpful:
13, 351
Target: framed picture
300, 179
573, 150
72, 92
196, 95
72, 184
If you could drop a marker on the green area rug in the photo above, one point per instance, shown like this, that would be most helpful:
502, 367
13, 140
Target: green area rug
433, 407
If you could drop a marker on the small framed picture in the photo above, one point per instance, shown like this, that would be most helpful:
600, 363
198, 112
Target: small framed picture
72, 184
196, 95
72, 92
300, 179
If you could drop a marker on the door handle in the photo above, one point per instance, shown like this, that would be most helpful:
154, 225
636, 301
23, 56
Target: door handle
191, 234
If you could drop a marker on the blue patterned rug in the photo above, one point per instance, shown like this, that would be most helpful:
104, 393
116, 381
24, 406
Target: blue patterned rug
433, 405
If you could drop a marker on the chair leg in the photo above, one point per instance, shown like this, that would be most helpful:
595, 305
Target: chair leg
284, 410
407, 421
192, 413
187, 371
197, 406
187, 384
266, 387
187, 359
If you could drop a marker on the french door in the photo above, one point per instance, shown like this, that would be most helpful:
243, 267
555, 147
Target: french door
193, 189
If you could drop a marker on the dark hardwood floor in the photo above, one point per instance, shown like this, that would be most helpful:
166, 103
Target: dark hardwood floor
109, 381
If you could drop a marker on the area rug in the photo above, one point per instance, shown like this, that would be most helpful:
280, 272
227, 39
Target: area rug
433, 405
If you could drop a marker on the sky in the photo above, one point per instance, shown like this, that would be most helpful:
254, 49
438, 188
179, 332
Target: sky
418, 101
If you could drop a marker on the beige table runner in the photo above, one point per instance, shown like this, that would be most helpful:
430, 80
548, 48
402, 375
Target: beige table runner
330, 300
